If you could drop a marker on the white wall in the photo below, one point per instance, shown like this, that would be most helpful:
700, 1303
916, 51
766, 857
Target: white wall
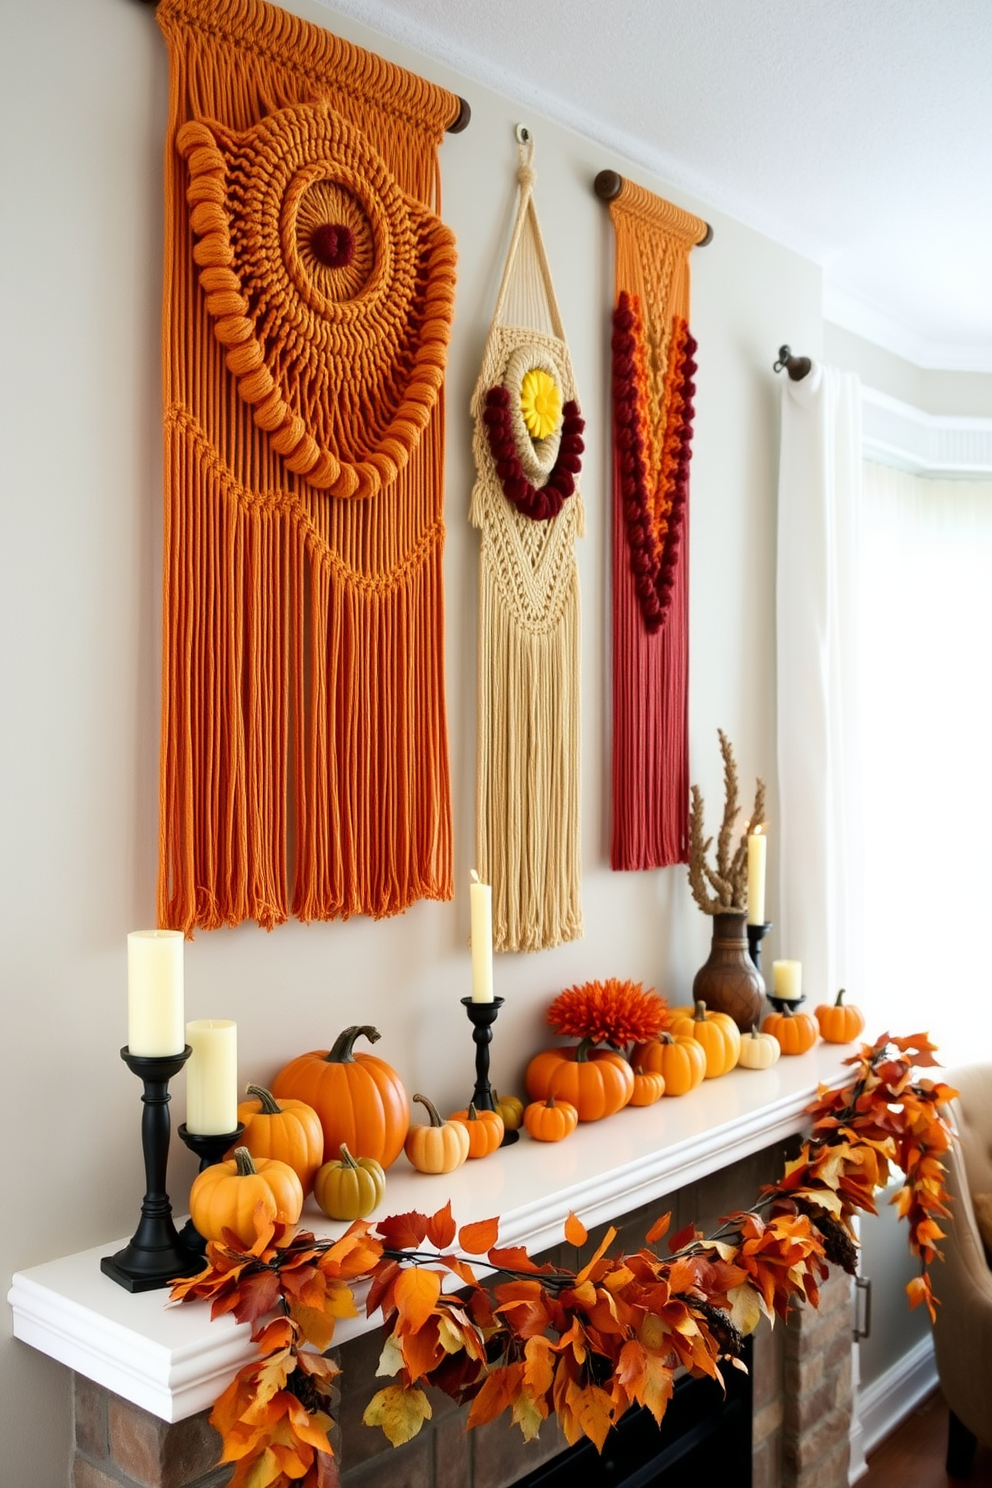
83, 93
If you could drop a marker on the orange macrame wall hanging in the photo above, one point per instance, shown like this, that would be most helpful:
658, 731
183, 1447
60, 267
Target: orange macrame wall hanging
309, 289
653, 366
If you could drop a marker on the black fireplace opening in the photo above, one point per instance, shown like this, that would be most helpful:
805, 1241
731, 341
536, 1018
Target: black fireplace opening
703, 1432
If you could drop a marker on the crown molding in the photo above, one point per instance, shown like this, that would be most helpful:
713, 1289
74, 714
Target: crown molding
854, 314
929, 444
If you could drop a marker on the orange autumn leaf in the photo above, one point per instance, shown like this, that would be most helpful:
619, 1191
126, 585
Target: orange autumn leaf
441, 1227
500, 1389
480, 1237
659, 1229
415, 1293
575, 1231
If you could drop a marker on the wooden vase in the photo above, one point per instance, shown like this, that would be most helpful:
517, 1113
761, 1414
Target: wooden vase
729, 981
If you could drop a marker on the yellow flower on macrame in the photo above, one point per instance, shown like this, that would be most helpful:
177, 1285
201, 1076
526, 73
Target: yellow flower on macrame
540, 403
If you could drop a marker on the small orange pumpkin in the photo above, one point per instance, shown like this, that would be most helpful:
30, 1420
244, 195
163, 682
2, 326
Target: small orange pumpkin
360, 1099
511, 1108
840, 1022
680, 1061
439, 1147
719, 1036
226, 1195
796, 1032
597, 1082
485, 1129
649, 1087
291, 1132
550, 1120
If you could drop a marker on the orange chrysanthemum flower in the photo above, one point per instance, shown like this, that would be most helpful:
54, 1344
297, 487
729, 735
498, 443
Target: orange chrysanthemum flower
611, 1012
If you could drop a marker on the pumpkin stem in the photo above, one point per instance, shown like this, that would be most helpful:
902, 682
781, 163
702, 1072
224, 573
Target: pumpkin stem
550, 1103
343, 1051
346, 1157
700, 1012
665, 1037
431, 1109
245, 1165
754, 1030
840, 994
473, 1114
266, 1099
787, 1010
582, 1051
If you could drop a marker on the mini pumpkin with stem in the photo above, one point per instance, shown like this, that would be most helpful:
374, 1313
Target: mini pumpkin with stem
227, 1195
718, 1034
290, 1131
679, 1059
759, 1050
550, 1120
511, 1108
840, 1022
796, 1032
485, 1129
348, 1187
440, 1146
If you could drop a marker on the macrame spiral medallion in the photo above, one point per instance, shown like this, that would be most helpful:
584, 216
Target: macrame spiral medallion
653, 359
528, 452
309, 297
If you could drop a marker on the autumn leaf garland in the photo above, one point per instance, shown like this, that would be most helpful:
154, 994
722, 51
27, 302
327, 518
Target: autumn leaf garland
543, 1340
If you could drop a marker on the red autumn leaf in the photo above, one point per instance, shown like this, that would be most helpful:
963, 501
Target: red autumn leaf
682, 1238
575, 1231
478, 1238
383, 1278
403, 1231
659, 1229
441, 1227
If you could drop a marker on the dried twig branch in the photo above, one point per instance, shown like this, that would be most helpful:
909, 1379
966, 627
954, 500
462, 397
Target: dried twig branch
728, 879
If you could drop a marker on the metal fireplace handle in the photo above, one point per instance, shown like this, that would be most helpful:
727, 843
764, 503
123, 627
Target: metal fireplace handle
862, 1312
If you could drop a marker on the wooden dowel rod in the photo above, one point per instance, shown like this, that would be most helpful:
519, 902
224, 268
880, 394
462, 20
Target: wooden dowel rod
607, 186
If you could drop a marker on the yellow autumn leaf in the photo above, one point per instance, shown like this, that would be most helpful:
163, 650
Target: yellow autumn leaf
745, 1308
400, 1412
391, 1358
527, 1416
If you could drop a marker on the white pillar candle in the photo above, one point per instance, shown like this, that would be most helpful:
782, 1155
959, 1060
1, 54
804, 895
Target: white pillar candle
212, 1077
787, 980
757, 848
481, 905
155, 992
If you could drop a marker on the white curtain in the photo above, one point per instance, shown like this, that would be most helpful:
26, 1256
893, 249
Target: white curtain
926, 672
820, 896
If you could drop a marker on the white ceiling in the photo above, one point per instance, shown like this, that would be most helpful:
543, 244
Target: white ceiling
858, 132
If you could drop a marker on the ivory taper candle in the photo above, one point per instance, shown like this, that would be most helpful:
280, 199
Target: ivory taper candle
481, 906
155, 992
212, 1077
757, 849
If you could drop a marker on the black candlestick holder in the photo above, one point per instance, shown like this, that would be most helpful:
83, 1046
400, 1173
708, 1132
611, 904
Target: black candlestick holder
482, 1016
755, 935
781, 1003
210, 1149
155, 1253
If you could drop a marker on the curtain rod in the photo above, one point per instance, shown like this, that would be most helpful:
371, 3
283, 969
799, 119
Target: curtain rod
460, 123
796, 366
607, 185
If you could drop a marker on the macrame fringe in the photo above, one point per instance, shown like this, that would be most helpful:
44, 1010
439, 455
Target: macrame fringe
529, 512
650, 826
304, 749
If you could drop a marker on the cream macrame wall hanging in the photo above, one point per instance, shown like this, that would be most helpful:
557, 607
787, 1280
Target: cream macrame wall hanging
526, 504
653, 388
309, 289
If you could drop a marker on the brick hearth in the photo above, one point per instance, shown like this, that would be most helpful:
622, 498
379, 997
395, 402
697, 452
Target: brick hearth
802, 1396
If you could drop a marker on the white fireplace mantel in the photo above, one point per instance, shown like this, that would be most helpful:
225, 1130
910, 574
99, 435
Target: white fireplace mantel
173, 1361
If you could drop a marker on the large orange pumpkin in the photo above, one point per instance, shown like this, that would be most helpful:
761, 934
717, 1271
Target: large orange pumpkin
718, 1034
225, 1196
597, 1082
796, 1032
360, 1099
840, 1022
291, 1132
680, 1061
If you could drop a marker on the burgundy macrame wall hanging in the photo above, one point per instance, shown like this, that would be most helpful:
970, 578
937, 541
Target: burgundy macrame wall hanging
653, 366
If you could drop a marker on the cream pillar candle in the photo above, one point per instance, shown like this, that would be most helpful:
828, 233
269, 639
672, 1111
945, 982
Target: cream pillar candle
757, 849
212, 1077
787, 980
155, 992
481, 906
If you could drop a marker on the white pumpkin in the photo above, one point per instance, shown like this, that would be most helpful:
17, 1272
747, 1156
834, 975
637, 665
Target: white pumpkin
759, 1050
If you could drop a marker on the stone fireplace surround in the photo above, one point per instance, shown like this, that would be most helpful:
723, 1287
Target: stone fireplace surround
145, 1375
